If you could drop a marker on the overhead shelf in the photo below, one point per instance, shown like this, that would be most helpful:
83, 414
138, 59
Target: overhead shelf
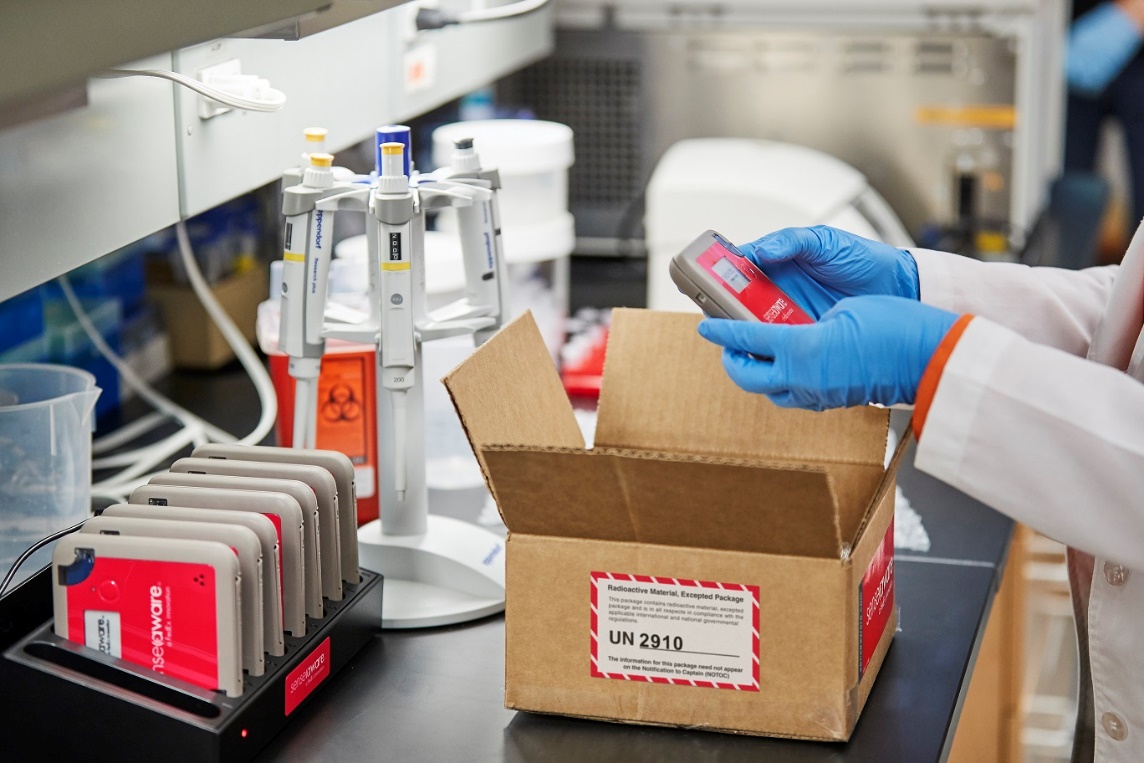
51, 48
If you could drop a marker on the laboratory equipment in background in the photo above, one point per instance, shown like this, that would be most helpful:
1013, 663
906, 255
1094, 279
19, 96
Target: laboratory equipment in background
346, 419
440, 570
747, 188
533, 159
953, 113
46, 421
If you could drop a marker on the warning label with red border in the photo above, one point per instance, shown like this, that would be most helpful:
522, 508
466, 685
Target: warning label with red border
675, 631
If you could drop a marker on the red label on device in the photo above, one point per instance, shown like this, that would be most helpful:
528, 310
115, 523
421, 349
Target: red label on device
307, 676
161, 615
750, 286
875, 599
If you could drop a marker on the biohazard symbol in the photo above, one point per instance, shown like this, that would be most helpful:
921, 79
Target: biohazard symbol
341, 405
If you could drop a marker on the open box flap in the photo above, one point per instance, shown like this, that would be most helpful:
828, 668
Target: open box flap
665, 389
653, 498
508, 391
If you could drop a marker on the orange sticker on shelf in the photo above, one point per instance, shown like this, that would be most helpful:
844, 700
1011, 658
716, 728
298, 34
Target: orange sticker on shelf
986, 116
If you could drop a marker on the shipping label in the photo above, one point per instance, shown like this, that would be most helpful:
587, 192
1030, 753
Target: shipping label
875, 600
674, 631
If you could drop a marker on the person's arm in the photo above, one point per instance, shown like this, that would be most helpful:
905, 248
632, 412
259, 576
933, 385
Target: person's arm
1049, 439
1050, 306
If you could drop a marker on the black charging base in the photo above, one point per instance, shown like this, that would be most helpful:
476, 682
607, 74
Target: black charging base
59, 699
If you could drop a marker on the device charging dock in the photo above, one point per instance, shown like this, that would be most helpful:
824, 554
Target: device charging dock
64, 701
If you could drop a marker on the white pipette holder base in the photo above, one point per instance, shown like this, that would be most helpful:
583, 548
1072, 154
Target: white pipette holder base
452, 573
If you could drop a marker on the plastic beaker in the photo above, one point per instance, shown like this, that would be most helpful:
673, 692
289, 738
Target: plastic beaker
46, 421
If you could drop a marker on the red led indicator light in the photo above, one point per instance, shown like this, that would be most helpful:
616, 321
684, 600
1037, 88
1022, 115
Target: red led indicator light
244, 733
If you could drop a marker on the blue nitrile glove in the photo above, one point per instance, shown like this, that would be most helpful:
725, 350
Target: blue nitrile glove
1101, 43
819, 266
865, 350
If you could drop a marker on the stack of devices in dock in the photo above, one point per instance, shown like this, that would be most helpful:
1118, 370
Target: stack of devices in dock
207, 569
713, 562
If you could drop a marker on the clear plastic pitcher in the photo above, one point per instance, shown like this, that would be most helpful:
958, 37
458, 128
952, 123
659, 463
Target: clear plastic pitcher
46, 420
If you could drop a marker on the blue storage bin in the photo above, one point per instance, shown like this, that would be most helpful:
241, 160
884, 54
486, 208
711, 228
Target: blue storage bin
21, 319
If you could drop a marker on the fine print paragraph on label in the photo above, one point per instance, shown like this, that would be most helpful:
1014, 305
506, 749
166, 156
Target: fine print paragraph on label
674, 631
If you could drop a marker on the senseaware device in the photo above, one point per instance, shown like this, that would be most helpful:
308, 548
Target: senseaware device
241, 540
325, 535
282, 510
171, 605
311, 521
262, 528
725, 284
337, 464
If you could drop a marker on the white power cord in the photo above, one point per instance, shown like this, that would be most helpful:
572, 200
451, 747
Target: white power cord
195, 431
244, 92
234, 337
133, 380
435, 18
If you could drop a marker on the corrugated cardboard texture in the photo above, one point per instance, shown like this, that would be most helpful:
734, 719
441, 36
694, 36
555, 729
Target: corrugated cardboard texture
509, 393
664, 389
635, 497
196, 341
803, 622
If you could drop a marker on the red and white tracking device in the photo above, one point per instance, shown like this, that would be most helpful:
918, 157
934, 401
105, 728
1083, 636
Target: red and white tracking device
170, 605
725, 284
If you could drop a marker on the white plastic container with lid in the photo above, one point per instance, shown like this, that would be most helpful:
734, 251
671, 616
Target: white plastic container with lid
532, 157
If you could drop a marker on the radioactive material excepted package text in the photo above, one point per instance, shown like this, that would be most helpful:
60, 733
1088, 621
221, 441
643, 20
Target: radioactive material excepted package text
712, 562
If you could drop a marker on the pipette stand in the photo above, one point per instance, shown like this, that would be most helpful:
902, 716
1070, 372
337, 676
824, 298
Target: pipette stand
438, 570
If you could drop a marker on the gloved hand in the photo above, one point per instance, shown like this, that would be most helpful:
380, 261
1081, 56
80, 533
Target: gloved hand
865, 350
1100, 44
819, 266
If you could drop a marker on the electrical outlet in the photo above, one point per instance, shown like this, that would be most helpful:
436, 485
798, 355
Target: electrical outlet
210, 75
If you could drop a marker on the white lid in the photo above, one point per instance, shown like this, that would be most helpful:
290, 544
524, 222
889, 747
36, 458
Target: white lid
513, 146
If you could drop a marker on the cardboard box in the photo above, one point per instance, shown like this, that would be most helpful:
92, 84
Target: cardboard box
714, 562
195, 340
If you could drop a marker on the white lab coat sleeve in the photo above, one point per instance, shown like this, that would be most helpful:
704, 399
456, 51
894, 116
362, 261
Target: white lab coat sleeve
1052, 440
1051, 306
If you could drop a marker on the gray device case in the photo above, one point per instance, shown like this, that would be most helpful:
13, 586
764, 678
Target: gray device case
262, 527
292, 550
330, 584
228, 581
319, 480
337, 464
699, 285
241, 540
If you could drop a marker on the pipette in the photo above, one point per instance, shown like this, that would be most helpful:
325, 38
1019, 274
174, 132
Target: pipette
480, 228
305, 271
393, 205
